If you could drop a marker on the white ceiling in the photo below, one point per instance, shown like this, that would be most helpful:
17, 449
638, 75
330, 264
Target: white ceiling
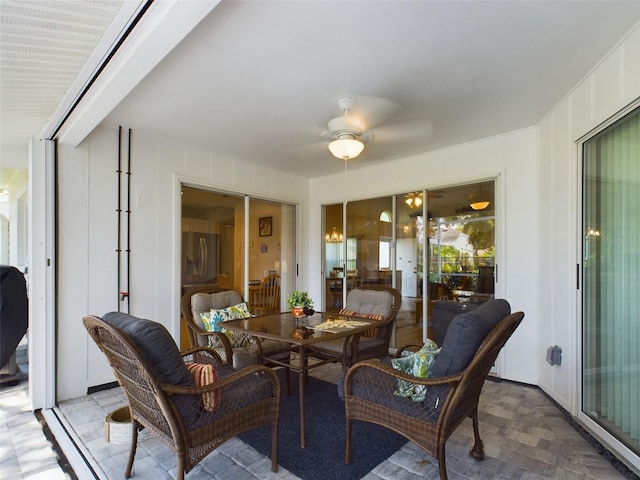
43, 46
259, 81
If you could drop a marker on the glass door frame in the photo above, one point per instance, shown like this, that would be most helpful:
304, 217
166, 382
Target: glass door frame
581, 232
276, 238
424, 254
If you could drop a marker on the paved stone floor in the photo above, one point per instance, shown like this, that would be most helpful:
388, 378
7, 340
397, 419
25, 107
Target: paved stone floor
25, 452
526, 437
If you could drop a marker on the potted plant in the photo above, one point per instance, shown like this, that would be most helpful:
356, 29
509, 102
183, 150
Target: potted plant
298, 301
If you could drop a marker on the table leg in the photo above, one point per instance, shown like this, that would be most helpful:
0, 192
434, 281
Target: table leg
301, 382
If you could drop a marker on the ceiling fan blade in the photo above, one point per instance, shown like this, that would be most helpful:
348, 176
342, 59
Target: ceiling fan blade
373, 111
404, 132
304, 150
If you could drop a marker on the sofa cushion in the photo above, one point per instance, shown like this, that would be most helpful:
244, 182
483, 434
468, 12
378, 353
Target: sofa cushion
465, 334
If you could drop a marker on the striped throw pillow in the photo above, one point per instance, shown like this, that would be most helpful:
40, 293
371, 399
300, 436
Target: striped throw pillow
204, 374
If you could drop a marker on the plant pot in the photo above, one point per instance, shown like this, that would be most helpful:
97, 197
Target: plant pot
301, 333
297, 311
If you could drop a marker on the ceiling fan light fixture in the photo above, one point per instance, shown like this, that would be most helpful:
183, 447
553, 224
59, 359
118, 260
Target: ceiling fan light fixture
414, 200
479, 205
346, 147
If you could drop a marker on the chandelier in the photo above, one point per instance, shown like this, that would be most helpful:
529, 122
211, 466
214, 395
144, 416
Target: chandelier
334, 236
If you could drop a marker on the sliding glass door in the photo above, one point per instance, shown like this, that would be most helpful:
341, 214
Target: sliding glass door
611, 262
361, 254
220, 248
271, 245
415, 242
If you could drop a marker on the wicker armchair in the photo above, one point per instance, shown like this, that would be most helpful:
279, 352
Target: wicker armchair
200, 300
164, 400
369, 300
371, 395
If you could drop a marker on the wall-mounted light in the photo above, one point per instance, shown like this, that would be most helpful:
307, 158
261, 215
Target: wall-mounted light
592, 233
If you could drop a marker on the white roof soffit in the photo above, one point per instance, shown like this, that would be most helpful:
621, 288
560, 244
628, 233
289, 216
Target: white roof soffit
164, 25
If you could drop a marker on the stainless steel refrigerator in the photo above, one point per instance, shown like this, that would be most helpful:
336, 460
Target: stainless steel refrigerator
200, 257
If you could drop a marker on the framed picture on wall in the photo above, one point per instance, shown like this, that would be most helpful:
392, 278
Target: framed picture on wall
264, 226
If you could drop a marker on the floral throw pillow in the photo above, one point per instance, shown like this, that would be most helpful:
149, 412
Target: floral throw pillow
419, 365
214, 319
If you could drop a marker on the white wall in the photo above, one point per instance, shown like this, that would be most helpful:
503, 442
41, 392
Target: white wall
512, 160
87, 274
612, 85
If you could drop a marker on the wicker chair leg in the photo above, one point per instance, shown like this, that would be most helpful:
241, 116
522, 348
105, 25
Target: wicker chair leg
180, 465
132, 449
347, 450
477, 451
442, 463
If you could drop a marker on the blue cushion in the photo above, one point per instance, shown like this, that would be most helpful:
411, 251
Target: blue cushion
156, 344
164, 358
465, 334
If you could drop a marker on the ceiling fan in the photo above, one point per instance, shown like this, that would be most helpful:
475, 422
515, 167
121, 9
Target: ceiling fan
375, 124
366, 119
414, 199
347, 132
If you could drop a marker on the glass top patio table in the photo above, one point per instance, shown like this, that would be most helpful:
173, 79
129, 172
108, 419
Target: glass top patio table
322, 326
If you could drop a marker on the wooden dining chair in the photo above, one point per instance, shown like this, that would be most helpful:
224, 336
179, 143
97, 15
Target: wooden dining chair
223, 281
268, 297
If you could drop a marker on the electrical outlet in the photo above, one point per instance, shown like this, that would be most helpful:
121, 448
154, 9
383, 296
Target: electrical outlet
554, 355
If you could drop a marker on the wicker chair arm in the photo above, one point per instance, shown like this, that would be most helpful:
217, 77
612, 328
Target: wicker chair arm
236, 376
411, 347
203, 355
451, 380
199, 332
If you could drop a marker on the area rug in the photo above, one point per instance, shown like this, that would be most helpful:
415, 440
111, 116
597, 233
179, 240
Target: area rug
323, 456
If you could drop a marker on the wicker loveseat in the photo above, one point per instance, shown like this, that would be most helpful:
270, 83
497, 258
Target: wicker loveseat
469, 350
164, 398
